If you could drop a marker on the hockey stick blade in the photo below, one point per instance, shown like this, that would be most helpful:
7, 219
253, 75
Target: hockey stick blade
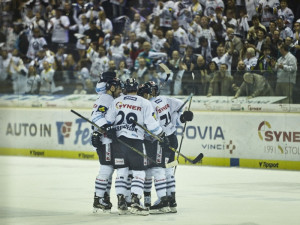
172, 164
198, 158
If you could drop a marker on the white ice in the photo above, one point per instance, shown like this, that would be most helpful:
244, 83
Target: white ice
44, 191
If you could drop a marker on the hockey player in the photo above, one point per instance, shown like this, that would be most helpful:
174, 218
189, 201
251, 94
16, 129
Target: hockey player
166, 110
122, 111
101, 84
154, 150
104, 145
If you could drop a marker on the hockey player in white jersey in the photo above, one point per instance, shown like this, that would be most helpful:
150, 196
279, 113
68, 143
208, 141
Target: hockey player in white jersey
122, 111
154, 151
167, 113
104, 145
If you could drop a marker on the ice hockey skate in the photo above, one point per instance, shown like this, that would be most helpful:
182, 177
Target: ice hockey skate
102, 203
122, 206
147, 199
172, 203
161, 206
136, 207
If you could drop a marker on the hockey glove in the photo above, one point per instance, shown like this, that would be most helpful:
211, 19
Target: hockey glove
96, 142
111, 133
186, 116
165, 141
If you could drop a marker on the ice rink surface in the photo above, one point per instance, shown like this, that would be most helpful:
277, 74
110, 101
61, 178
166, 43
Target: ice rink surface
44, 191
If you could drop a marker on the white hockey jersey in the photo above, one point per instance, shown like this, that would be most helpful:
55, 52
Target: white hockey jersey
126, 108
98, 115
166, 112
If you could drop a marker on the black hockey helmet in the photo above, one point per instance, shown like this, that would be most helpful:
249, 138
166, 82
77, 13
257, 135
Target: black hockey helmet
154, 87
108, 75
131, 85
114, 82
144, 89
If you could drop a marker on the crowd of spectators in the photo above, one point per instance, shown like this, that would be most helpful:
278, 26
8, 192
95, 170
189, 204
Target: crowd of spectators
213, 47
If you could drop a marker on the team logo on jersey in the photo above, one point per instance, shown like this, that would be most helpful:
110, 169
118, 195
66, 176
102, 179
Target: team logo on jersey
102, 108
130, 98
119, 161
63, 131
165, 107
158, 101
120, 105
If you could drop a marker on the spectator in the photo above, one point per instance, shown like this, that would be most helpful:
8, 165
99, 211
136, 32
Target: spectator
233, 44
211, 5
18, 73
141, 32
221, 83
259, 42
58, 26
99, 61
171, 43
94, 33
254, 85
118, 7
116, 50
286, 13
223, 57
238, 75
33, 81
175, 65
194, 33
284, 30
264, 67
204, 49
180, 36
267, 9
70, 68
286, 67
135, 24
250, 60
47, 82
123, 73
202, 78
158, 40
5, 74
104, 24
141, 74
79, 90
36, 43
165, 11
252, 33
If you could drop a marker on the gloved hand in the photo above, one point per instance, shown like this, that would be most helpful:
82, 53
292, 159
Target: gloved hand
111, 133
165, 141
95, 138
186, 116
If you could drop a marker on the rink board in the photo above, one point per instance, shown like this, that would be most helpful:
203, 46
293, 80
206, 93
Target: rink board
243, 139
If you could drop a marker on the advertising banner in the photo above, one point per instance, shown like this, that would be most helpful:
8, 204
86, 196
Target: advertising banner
269, 140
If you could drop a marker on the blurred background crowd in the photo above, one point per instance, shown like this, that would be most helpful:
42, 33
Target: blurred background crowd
213, 47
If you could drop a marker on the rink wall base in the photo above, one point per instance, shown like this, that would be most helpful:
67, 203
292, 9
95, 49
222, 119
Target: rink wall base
49, 153
206, 161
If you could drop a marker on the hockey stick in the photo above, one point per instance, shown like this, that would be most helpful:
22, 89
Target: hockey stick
184, 127
172, 164
188, 99
167, 71
197, 159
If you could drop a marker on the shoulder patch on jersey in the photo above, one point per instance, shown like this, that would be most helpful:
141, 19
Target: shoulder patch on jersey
153, 114
102, 108
130, 98
158, 101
